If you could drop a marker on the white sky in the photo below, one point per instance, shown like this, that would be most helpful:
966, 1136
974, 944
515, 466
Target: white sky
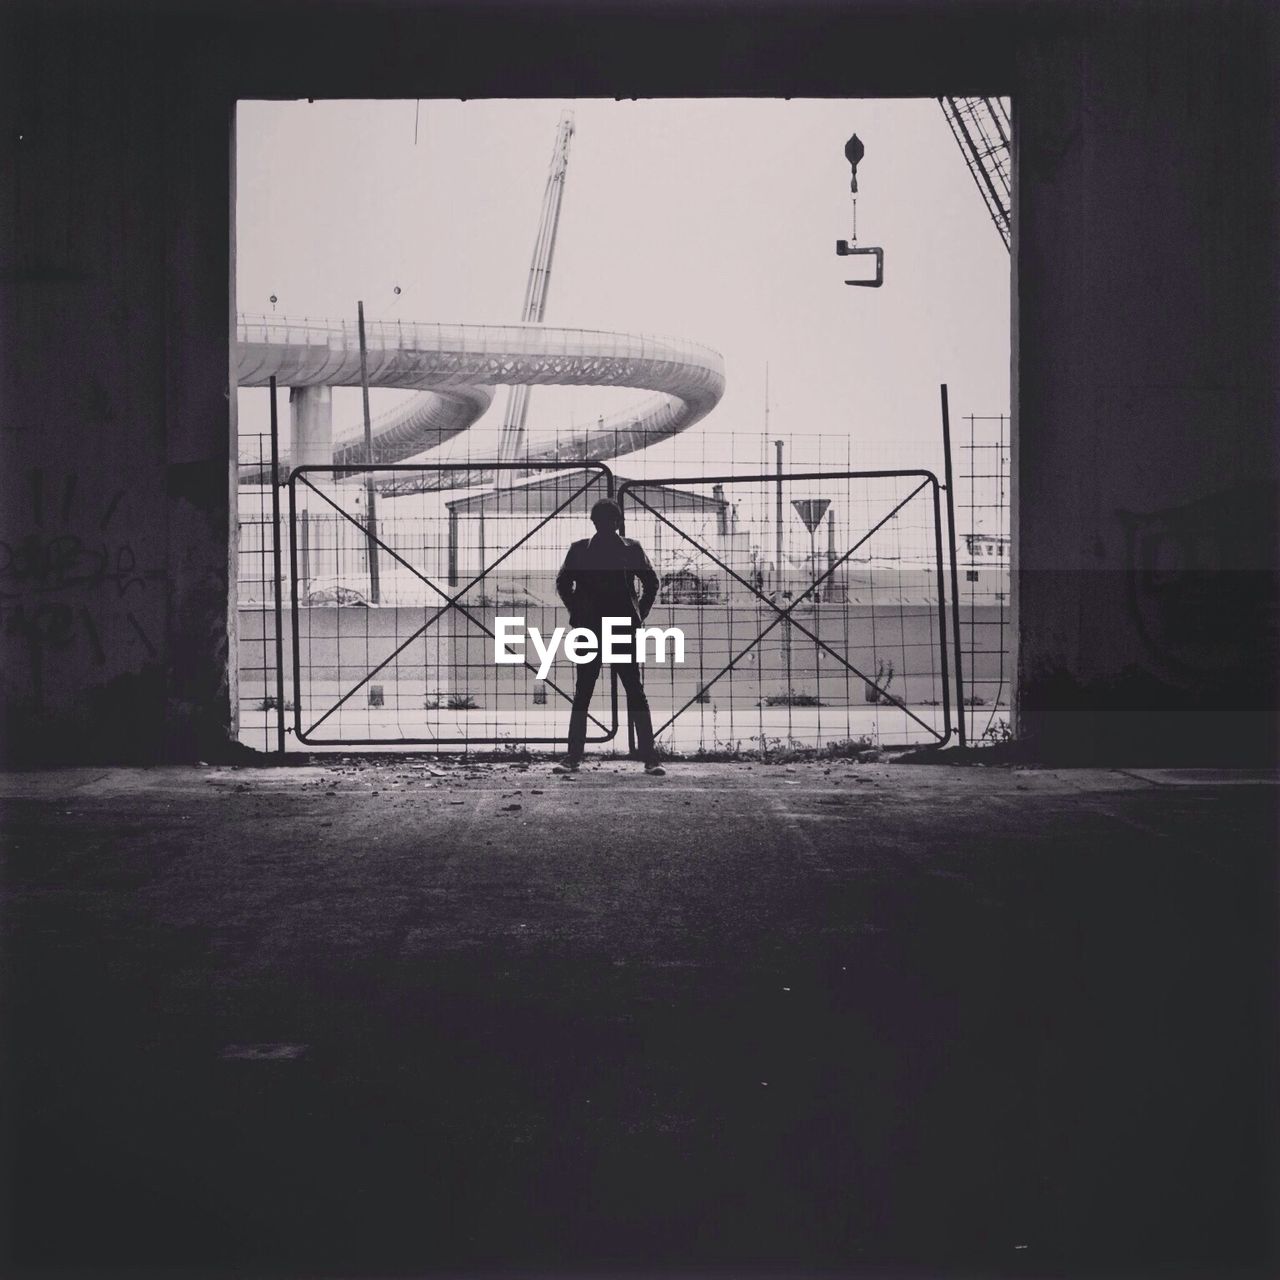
711, 220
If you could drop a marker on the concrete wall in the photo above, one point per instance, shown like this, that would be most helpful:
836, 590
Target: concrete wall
1145, 323
115, 628
1146, 416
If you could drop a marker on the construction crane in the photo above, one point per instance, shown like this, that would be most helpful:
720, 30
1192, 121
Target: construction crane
535, 294
980, 127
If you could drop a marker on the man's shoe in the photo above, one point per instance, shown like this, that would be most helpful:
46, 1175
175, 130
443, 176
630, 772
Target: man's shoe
655, 770
567, 766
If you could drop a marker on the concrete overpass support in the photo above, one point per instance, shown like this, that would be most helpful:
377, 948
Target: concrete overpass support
311, 420
311, 428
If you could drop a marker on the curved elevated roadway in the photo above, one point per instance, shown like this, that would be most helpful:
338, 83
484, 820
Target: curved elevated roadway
455, 367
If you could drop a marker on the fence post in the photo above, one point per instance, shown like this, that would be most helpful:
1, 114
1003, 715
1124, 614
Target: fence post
778, 521
275, 556
955, 584
370, 491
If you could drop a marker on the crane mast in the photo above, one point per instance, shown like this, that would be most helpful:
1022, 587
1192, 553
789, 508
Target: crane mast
980, 127
535, 293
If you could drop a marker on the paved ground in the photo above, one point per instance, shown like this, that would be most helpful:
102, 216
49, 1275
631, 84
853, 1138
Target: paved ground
392, 1017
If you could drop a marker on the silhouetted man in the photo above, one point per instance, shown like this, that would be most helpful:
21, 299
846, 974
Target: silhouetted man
597, 581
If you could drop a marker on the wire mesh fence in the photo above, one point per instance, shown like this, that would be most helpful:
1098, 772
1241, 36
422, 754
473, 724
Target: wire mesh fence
258, 676
811, 607
822, 627
394, 634
983, 548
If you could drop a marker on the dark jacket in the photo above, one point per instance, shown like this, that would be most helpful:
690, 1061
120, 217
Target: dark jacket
597, 580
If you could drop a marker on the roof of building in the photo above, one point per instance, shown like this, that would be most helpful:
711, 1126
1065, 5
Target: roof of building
573, 493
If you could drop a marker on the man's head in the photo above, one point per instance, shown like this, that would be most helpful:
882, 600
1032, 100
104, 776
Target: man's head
606, 515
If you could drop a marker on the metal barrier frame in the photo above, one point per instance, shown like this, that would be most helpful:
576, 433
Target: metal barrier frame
450, 601
927, 480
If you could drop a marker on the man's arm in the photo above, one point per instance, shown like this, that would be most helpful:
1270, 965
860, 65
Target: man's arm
648, 582
566, 581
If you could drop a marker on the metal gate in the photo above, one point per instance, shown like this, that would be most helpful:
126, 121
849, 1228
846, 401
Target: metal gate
396, 583
813, 607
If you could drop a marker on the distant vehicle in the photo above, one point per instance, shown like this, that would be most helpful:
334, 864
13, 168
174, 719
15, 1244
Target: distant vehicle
330, 592
686, 587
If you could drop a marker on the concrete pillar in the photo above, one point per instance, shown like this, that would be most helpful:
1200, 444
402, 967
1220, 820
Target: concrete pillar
311, 423
311, 436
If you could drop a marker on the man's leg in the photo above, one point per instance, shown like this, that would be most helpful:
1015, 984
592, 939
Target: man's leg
584, 686
638, 710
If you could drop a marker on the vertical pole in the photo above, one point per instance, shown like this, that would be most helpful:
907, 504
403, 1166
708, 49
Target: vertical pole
973, 524
764, 445
778, 516
955, 585
453, 548
306, 548
293, 610
370, 493
942, 615
275, 556
786, 625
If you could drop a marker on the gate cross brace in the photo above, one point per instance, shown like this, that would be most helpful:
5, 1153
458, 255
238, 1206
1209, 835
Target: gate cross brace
451, 602
784, 614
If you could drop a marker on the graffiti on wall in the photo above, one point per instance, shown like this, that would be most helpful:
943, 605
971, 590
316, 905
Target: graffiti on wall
71, 573
1197, 582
